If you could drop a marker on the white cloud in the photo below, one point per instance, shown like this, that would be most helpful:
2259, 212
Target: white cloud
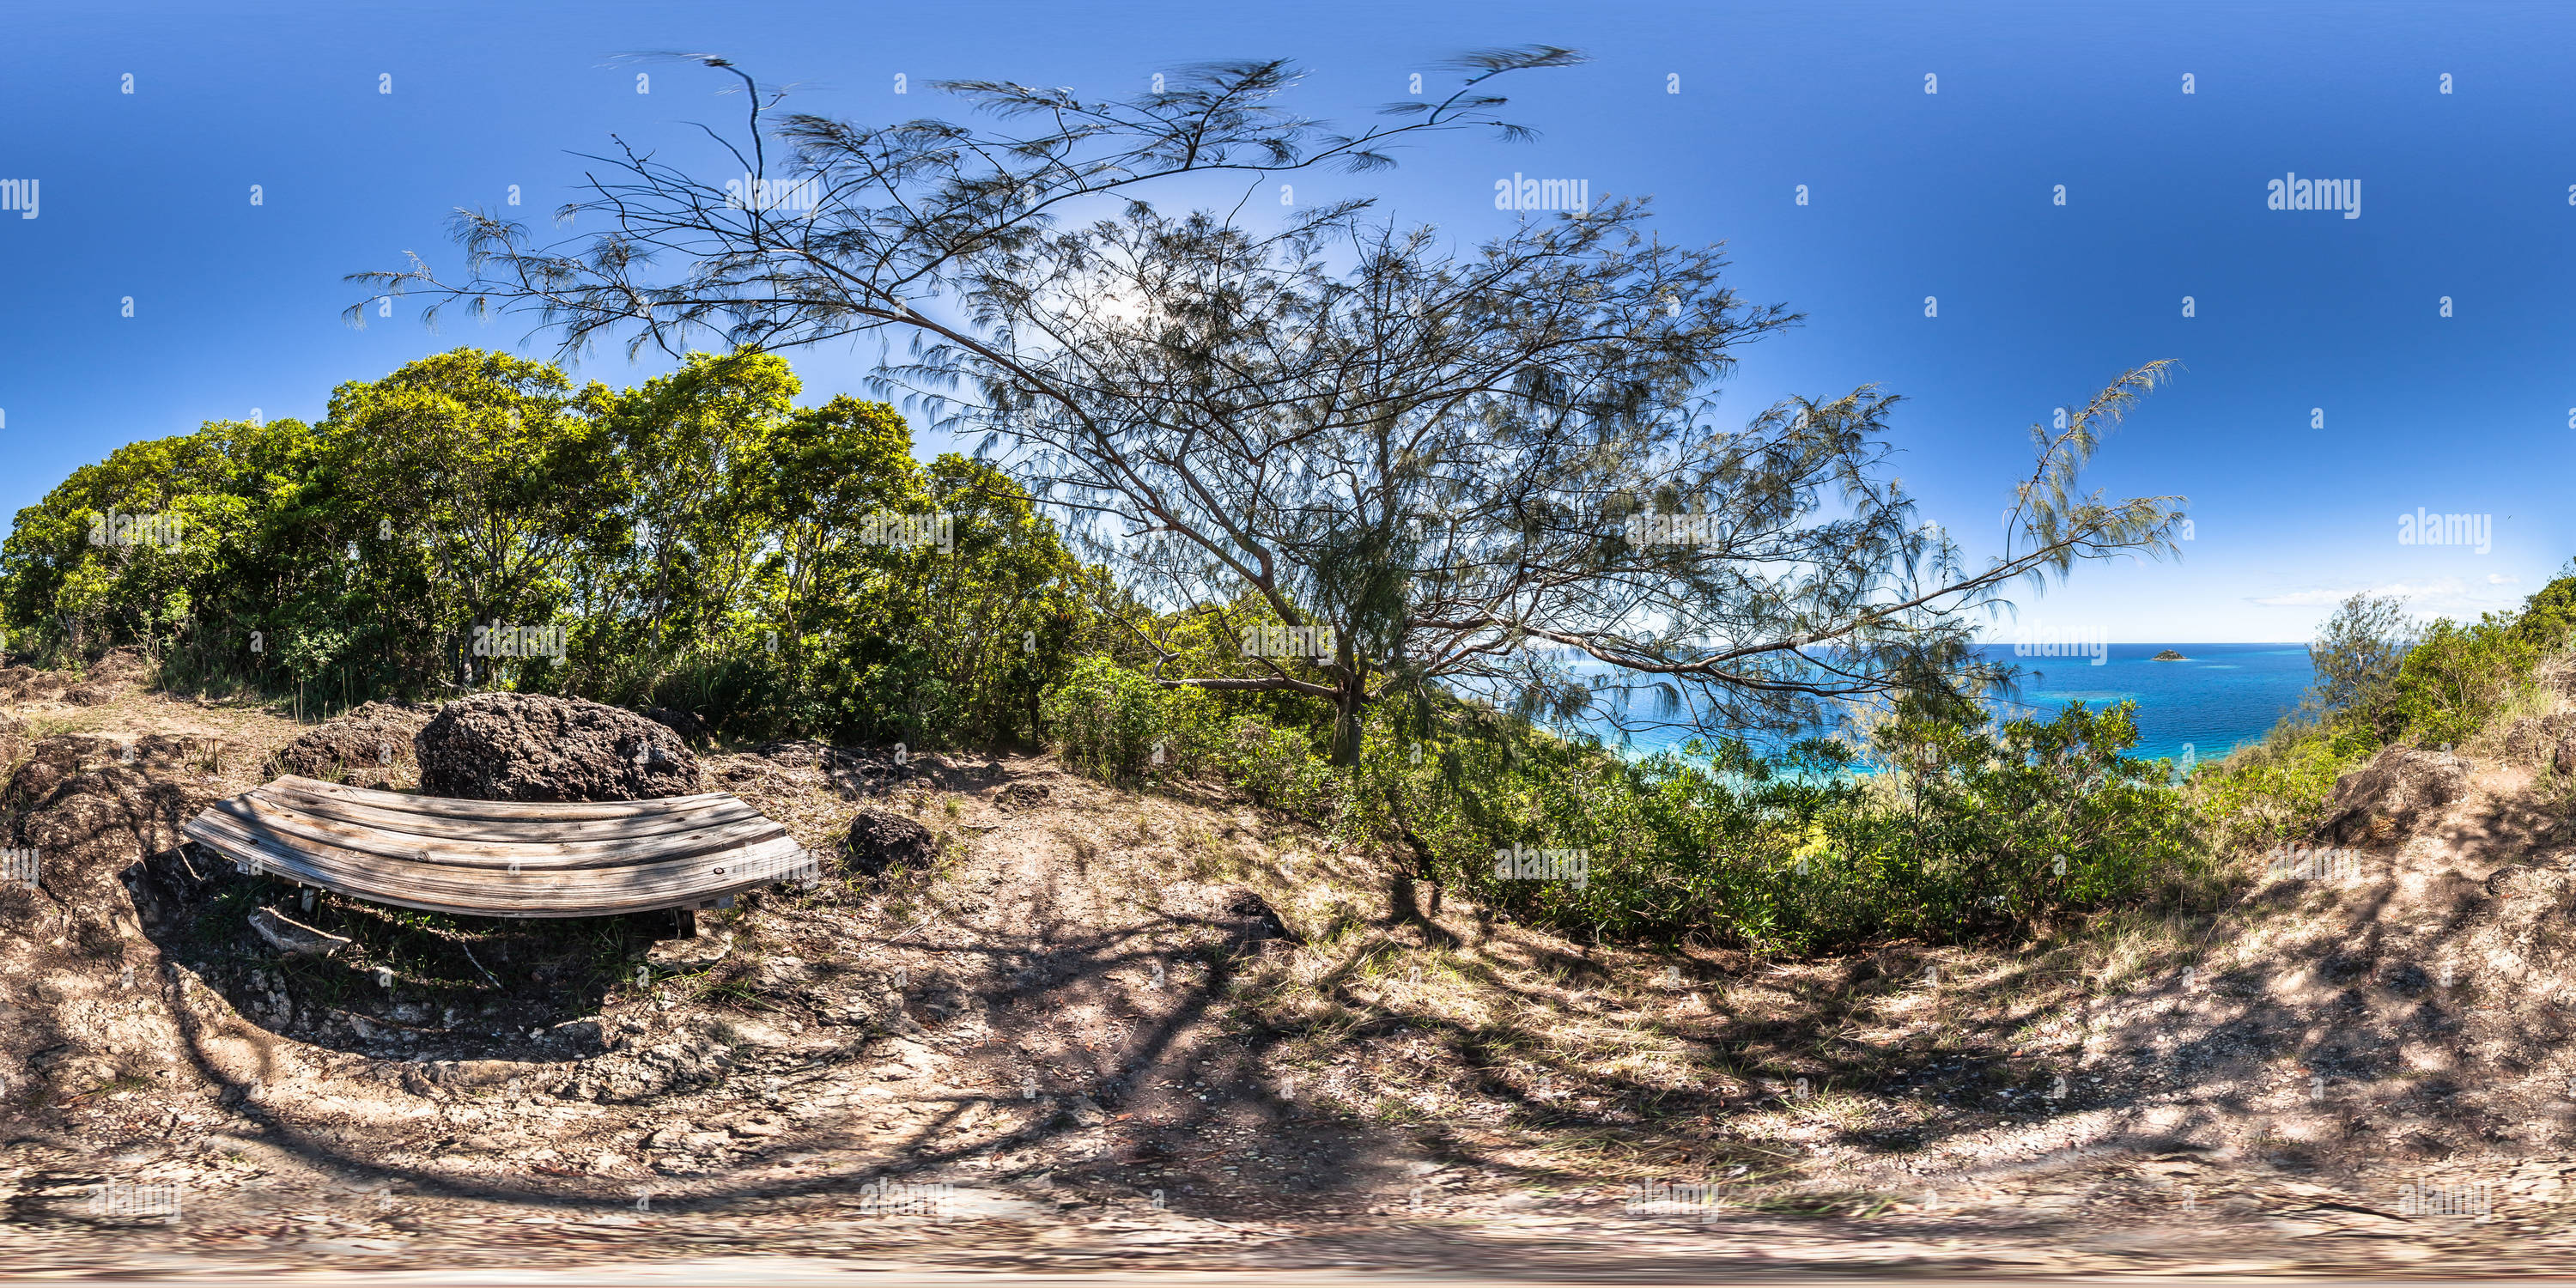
2501, 579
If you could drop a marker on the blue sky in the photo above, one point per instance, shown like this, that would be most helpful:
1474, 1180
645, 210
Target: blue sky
2465, 194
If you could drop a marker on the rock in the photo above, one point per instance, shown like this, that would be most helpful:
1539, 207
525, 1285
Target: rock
2396, 790
2547, 740
2168, 656
531, 747
53, 762
97, 693
691, 729
294, 938
880, 841
1085, 1112
1256, 920
366, 742
1022, 795
90, 815
21, 683
582, 1035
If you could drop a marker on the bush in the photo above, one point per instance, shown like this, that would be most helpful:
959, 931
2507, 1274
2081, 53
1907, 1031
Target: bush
1116, 724
1803, 850
2454, 681
2273, 793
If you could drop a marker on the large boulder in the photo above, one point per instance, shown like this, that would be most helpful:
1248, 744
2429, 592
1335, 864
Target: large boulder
530, 747
366, 744
2399, 788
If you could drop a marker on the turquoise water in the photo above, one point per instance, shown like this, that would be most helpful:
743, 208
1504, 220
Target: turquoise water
2222, 696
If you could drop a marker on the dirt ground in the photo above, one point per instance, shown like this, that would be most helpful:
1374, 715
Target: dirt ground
1109, 1032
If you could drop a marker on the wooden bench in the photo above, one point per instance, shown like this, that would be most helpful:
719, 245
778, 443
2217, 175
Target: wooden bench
504, 859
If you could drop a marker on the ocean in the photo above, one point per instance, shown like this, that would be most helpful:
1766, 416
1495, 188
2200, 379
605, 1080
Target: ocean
2223, 696
2220, 697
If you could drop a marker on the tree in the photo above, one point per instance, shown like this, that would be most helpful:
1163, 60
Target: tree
2357, 654
1425, 466
1444, 460
464, 483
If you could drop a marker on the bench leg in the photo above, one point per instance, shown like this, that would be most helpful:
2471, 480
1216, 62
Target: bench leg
688, 923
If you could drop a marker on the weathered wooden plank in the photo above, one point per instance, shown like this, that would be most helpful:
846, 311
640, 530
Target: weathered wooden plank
721, 809
585, 892
514, 832
535, 811
295, 825
522, 865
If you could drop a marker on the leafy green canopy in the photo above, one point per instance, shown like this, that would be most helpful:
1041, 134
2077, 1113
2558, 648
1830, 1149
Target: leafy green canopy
700, 541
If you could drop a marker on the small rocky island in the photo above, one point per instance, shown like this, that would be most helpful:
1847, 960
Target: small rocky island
2168, 656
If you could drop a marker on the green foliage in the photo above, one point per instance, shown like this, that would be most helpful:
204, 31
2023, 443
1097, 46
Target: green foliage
2356, 656
1115, 724
1960, 831
2273, 793
701, 541
2549, 616
2456, 679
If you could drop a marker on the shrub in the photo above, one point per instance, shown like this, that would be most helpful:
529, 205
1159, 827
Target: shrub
2454, 681
2273, 793
1116, 724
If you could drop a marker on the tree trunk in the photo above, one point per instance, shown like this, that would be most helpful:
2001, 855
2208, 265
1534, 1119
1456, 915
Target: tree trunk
1346, 724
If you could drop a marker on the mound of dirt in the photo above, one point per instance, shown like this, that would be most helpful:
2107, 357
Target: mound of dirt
2395, 791
530, 747
364, 746
880, 841
91, 808
24, 683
